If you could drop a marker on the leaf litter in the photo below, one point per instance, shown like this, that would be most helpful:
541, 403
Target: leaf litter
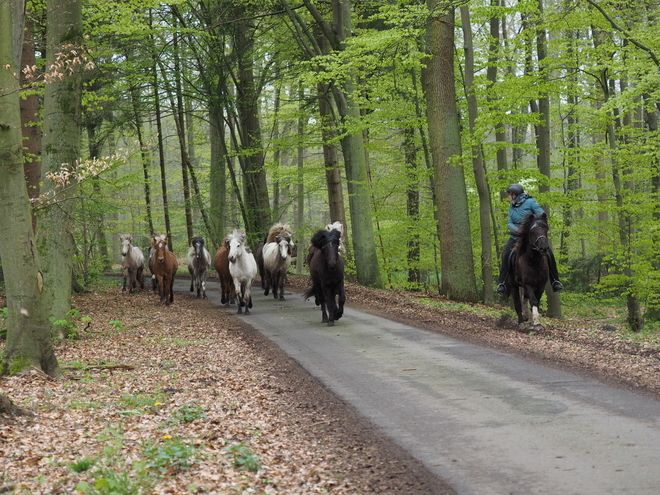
187, 399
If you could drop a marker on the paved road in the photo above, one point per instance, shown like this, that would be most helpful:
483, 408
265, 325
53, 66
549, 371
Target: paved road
486, 422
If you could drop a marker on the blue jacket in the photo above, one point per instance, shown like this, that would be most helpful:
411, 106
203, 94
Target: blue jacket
520, 207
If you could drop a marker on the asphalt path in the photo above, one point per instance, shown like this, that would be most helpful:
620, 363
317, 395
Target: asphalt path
484, 421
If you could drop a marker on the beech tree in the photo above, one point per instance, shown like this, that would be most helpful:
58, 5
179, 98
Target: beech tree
28, 330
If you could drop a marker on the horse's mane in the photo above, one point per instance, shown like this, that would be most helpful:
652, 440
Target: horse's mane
335, 226
156, 238
236, 234
322, 237
279, 230
522, 233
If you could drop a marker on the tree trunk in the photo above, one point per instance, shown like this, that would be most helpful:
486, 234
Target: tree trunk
29, 340
364, 247
456, 255
218, 175
478, 163
30, 118
61, 144
258, 211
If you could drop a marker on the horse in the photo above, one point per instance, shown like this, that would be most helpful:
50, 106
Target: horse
132, 261
243, 269
152, 250
529, 269
276, 257
326, 268
221, 265
199, 260
165, 267
338, 226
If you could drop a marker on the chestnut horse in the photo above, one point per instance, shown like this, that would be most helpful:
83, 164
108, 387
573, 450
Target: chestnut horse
221, 265
165, 267
326, 268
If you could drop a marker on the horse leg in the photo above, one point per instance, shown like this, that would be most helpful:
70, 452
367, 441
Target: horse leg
203, 278
342, 300
125, 278
267, 283
161, 290
517, 304
281, 285
172, 289
331, 305
140, 277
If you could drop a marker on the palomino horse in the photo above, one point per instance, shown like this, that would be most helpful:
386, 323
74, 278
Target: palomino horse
529, 270
133, 263
243, 269
199, 260
165, 267
326, 268
276, 259
221, 265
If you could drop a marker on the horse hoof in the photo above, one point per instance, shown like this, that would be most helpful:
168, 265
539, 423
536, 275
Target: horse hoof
331, 323
282, 298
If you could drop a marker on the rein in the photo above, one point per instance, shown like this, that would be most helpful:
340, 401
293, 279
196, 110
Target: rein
533, 243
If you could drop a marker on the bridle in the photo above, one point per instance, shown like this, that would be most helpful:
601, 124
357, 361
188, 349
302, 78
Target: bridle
533, 243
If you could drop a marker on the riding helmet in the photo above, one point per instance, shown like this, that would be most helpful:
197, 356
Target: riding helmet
515, 189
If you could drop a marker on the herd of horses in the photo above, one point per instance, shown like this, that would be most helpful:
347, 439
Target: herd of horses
237, 267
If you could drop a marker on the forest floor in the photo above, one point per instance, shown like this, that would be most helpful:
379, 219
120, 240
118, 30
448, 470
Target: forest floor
189, 399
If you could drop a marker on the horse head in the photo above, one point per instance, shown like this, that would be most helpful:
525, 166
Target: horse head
328, 243
285, 245
535, 229
126, 243
235, 242
198, 244
160, 250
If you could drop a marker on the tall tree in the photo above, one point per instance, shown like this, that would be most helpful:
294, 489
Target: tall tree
28, 331
457, 262
61, 144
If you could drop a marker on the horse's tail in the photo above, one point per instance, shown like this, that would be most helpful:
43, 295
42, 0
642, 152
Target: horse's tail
309, 293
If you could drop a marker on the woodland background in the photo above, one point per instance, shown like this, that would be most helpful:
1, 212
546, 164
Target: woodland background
403, 120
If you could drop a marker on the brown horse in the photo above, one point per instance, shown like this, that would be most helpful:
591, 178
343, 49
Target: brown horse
326, 268
221, 265
165, 267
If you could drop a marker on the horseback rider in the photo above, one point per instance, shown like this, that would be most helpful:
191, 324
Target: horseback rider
521, 205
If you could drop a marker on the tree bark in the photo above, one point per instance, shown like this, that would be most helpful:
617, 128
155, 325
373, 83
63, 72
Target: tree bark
456, 255
28, 329
61, 143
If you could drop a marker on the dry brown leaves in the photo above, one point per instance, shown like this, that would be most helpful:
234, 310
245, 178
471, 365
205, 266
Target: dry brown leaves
136, 382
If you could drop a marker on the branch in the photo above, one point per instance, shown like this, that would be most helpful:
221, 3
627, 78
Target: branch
625, 33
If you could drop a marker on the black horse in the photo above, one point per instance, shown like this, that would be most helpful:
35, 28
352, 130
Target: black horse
529, 269
326, 268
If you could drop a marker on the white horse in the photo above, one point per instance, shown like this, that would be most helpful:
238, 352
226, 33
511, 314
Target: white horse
338, 226
277, 259
243, 269
199, 260
133, 263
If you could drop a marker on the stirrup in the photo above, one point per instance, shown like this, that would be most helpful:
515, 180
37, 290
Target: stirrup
501, 288
557, 286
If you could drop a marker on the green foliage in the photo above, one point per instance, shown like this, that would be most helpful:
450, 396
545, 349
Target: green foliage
82, 464
188, 413
18, 364
242, 458
70, 327
169, 455
116, 324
